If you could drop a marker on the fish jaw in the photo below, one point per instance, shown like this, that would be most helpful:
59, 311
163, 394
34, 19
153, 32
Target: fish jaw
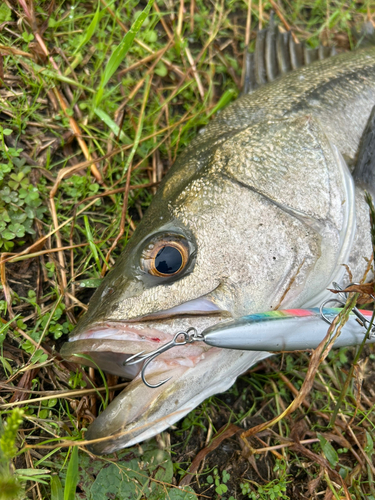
140, 412
195, 372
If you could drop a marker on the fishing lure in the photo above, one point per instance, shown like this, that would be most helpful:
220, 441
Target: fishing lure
285, 330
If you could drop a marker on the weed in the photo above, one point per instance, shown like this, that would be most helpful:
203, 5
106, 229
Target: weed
274, 490
10, 486
20, 202
220, 483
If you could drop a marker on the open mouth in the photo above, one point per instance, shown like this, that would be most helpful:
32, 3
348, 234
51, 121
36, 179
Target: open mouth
194, 371
110, 344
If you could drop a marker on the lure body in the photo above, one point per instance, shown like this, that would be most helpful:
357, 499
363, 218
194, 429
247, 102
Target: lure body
288, 330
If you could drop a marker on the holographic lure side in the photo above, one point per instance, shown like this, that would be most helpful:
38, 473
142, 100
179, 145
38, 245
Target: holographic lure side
286, 330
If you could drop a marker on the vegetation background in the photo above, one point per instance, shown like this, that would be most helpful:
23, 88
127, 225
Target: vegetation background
92, 115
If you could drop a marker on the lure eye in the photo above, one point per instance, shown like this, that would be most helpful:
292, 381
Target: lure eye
165, 257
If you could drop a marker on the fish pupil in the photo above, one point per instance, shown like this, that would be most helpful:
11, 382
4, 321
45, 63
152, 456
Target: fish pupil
168, 260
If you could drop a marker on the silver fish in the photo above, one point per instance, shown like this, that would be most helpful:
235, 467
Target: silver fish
258, 213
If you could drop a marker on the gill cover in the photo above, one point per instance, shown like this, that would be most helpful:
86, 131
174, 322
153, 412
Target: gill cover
300, 171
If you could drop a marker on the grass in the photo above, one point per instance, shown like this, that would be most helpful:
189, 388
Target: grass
136, 82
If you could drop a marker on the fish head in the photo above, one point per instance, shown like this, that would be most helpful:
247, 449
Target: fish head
218, 241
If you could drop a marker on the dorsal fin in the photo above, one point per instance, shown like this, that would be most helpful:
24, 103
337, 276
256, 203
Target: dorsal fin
277, 53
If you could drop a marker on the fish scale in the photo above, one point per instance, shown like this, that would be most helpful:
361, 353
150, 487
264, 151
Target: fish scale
339, 85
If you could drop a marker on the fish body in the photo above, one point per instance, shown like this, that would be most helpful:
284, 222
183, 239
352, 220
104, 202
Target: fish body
259, 212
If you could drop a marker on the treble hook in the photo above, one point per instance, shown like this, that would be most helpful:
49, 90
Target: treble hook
355, 310
190, 336
321, 309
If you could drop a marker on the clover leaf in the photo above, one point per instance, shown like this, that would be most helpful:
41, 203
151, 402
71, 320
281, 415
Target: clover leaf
13, 231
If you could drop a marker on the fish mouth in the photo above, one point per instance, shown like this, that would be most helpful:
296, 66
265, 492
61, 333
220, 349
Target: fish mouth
140, 412
111, 343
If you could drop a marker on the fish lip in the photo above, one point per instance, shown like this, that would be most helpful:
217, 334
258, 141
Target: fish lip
137, 433
139, 412
196, 307
202, 306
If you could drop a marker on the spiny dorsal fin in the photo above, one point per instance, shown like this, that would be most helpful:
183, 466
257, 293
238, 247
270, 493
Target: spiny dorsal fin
277, 53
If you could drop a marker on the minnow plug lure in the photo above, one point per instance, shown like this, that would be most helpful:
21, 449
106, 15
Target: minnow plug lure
285, 330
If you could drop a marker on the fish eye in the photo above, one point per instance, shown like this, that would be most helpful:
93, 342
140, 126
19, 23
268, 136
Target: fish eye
165, 257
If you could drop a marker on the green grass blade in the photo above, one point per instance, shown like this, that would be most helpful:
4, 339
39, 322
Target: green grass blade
329, 451
72, 475
121, 50
225, 99
45, 457
90, 30
36, 475
112, 125
89, 358
39, 70
4, 328
92, 243
140, 127
56, 489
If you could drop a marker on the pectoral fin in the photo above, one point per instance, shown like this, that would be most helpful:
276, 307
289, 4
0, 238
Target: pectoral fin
364, 171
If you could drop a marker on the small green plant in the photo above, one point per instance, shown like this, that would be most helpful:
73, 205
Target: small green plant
10, 487
5, 13
274, 490
11, 480
76, 381
9, 434
20, 202
220, 484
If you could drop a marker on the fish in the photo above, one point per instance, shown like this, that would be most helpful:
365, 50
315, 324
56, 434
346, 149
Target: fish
260, 212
